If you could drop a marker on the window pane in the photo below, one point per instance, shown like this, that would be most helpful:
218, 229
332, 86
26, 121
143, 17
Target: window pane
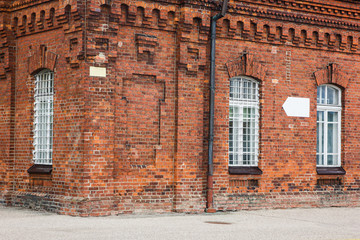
332, 146
320, 116
337, 97
321, 94
328, 124
243, 122
320, 138
330, 96
246, 136
318, 97
231, 89
332, 117
245, 88
330, 160
249, 136
320, 159
43, 117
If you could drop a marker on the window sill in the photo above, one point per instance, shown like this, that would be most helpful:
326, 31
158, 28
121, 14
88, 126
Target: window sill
330, 171
40, 169
245, 171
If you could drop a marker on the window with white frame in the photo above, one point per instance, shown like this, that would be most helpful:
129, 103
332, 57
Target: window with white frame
328, 147
243, 122
43, 117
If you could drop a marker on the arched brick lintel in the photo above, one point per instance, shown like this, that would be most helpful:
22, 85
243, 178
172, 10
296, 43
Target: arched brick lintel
332, 74
246, 65
41, 59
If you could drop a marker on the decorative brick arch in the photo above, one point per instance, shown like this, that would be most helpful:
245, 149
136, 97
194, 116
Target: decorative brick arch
246, 65
332, 74
41, 59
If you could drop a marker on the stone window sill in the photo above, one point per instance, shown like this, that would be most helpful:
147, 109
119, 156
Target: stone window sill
245, 171
330, 171
40, 169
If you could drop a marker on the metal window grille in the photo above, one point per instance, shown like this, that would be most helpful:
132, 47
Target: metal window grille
328, 146
43, 117
243, 122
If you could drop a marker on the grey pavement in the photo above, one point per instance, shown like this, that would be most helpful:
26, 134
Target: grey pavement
309, 224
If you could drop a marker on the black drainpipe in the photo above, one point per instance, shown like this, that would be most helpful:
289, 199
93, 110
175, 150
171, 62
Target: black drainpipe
210, 182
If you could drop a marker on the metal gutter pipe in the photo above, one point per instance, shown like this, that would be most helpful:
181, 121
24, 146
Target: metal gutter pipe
210, 182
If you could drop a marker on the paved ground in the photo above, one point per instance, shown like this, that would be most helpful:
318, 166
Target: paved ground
291, 224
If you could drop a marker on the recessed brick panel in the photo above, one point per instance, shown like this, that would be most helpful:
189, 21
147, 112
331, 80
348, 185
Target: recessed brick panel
144, 96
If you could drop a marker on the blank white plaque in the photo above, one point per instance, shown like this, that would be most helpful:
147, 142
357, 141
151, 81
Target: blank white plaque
297, 107
97, 72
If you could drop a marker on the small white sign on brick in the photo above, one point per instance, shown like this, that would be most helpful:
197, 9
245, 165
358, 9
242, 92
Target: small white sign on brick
297, 107
97, 72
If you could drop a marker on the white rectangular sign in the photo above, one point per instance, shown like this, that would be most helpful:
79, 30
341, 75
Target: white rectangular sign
297, 107
97, 72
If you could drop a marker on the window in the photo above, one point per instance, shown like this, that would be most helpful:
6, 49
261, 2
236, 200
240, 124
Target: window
43, 117
328, 126
243, 122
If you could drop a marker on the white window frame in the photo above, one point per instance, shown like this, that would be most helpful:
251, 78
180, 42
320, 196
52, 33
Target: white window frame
43, 117
326, 108
244, 93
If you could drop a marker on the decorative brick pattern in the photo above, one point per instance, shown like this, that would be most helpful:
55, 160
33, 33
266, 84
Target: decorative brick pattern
332, 74
41, 59
146, 45
246, 66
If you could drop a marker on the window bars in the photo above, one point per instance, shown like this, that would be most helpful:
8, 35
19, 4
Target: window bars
243, 122
328, 146
43, 117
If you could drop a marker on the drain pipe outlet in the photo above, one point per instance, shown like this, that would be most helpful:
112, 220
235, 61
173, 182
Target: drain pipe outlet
210, 182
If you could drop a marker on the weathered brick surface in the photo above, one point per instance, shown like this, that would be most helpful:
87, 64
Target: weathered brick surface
136, 140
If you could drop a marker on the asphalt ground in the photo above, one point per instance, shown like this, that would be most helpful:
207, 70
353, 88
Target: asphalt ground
289, 224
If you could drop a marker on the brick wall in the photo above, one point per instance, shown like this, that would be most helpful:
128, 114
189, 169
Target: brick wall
135, 140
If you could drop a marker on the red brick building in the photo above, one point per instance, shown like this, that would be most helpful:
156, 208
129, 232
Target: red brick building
104, 105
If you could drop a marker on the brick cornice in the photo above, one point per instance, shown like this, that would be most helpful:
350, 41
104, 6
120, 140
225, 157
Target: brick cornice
329, 9
313, 19
18, 4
